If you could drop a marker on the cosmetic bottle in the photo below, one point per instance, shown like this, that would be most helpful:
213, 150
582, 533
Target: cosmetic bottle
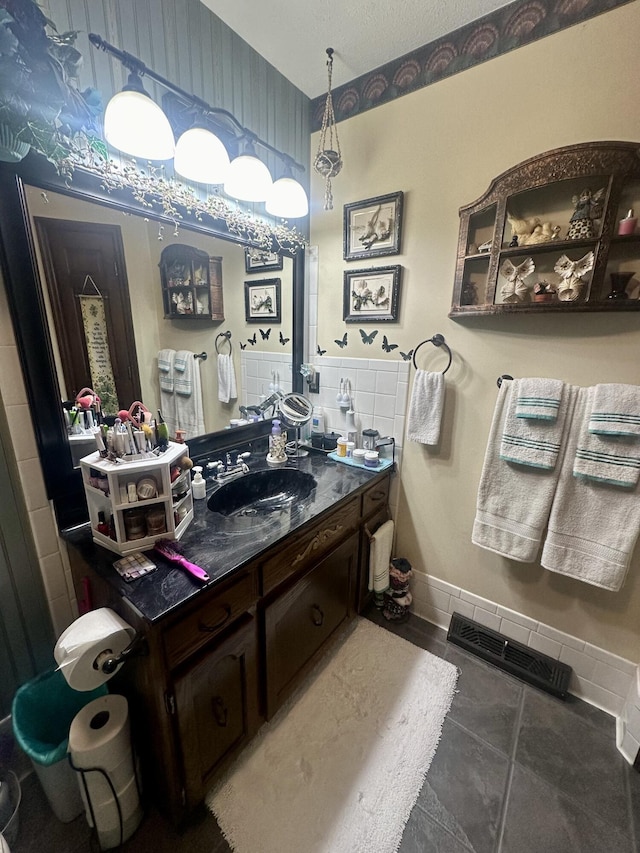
277, 444
628, 224
198, 484
103, 526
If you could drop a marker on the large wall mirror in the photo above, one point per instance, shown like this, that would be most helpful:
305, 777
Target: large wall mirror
61, 240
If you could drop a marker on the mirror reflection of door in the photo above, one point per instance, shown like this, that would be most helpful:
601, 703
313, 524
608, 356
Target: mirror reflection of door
71, 251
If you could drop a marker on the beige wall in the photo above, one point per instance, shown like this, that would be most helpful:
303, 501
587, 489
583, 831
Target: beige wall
442, 146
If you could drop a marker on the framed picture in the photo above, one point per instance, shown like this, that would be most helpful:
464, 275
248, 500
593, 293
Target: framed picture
371, 295
257, 260
262, 300
373, 227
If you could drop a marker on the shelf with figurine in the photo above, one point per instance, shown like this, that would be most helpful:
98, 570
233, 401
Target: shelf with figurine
557, 232
191, 284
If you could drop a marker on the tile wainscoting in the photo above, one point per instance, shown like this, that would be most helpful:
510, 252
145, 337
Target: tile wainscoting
601, 678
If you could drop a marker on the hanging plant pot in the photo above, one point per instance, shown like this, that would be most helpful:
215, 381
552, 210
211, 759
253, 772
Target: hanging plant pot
12, 149
328, 163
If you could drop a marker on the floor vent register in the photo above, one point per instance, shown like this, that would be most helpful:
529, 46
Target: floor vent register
515, 658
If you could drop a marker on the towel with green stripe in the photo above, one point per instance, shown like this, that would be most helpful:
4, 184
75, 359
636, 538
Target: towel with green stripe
532, 441
616, 410
539, 399
609, 459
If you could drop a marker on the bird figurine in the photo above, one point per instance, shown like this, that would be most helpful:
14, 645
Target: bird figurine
515, 289
571, 273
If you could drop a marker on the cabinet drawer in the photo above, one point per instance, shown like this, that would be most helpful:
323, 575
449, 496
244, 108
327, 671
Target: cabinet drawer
196, 629
375, 497
310, 547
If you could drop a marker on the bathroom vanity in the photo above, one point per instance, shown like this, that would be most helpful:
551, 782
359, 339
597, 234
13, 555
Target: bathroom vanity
222, 658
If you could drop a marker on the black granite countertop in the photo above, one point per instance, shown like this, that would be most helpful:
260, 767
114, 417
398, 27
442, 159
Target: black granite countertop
222, 546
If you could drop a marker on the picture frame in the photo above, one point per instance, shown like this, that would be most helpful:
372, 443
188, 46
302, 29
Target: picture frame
258, 260
371, 295
373, 227
262, 301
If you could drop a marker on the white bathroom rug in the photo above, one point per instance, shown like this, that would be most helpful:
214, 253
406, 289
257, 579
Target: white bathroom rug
340, 766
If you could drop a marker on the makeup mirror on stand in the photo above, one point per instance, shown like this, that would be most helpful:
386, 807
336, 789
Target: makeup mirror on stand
295, 412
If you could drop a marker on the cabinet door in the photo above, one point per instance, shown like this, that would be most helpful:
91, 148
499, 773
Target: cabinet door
300, 621
217, 709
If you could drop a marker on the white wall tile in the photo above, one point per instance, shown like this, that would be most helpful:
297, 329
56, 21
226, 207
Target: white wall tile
433, 615
545, 645
21, 431
611, 679
626, 666
44, 532
596, 695
486, 618
365, 381
561, 637
582, 664
514, 631
465, 608
478, 601
443, 585
439, 600
387, 383
518, 618
384, 406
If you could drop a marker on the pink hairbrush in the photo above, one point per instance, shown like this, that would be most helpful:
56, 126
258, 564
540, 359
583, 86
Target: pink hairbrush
171, 552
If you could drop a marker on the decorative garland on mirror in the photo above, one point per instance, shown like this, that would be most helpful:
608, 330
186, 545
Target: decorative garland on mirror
154, 189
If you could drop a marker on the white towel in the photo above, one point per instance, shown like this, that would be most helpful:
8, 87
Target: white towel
227, 389
165, 369
425, 408
614, 460
533, 442
616, 410
539, 399
513, 501
593, 527
189, 413
380, 556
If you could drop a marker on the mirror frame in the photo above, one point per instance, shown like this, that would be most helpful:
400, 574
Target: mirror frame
23, 286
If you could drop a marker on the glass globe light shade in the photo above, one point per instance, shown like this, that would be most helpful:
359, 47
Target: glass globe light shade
135, 124
248, 179
200, 156
287, 199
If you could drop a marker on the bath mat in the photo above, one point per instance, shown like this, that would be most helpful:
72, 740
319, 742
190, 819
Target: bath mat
340, 766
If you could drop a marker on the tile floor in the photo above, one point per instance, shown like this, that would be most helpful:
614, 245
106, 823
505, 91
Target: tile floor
516, 771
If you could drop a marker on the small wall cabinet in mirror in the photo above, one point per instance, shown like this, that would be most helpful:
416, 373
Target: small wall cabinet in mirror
191, 283
555, 233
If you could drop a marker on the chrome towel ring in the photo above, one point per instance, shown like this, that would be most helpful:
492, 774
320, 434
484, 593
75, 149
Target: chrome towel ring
226, 336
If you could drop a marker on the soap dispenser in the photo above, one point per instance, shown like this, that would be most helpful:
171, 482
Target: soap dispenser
277, 445
198, 484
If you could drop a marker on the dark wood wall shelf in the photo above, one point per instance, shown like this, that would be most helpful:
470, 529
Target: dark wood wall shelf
191, 284
542, 188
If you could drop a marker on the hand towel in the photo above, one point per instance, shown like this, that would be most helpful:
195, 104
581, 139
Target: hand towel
593, 527
614, 460
616, 410
165, 369
183, 364
425, 408
227, 389
380, 556
189, 413
539, 399
533, 442
513, 501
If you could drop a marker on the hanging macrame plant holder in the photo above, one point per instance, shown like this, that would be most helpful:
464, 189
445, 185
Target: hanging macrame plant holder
328, 160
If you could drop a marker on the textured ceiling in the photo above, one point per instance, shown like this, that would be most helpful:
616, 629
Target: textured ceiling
293, 34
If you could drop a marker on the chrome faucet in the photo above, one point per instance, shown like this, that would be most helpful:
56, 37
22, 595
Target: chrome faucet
222, 472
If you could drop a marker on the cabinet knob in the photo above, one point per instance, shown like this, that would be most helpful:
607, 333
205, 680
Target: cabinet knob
210, 628
317, 616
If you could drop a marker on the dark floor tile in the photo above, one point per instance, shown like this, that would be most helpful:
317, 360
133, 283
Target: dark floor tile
424, 835
465, 788
540, 819
487, 702
415, 630
633, 784
40, 830
201, 835
574, 756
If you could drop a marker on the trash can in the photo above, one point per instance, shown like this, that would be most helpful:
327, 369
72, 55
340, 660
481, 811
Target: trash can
42, 712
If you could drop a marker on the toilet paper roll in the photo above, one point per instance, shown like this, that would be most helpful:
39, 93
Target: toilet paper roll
99, 736
93, 637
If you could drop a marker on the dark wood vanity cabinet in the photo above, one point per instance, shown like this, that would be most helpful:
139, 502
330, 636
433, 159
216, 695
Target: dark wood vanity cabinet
227, 659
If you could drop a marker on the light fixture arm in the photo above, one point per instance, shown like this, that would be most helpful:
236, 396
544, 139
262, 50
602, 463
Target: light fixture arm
137, 66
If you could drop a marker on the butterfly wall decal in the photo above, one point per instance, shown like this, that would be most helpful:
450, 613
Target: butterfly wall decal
386, 346
243, 346
320, 351
265, 335
406, 355
284, 341
252, 340
368, 338
342, 344
514, 289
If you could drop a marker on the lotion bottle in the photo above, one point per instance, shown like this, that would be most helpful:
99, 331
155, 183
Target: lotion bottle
198, 484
